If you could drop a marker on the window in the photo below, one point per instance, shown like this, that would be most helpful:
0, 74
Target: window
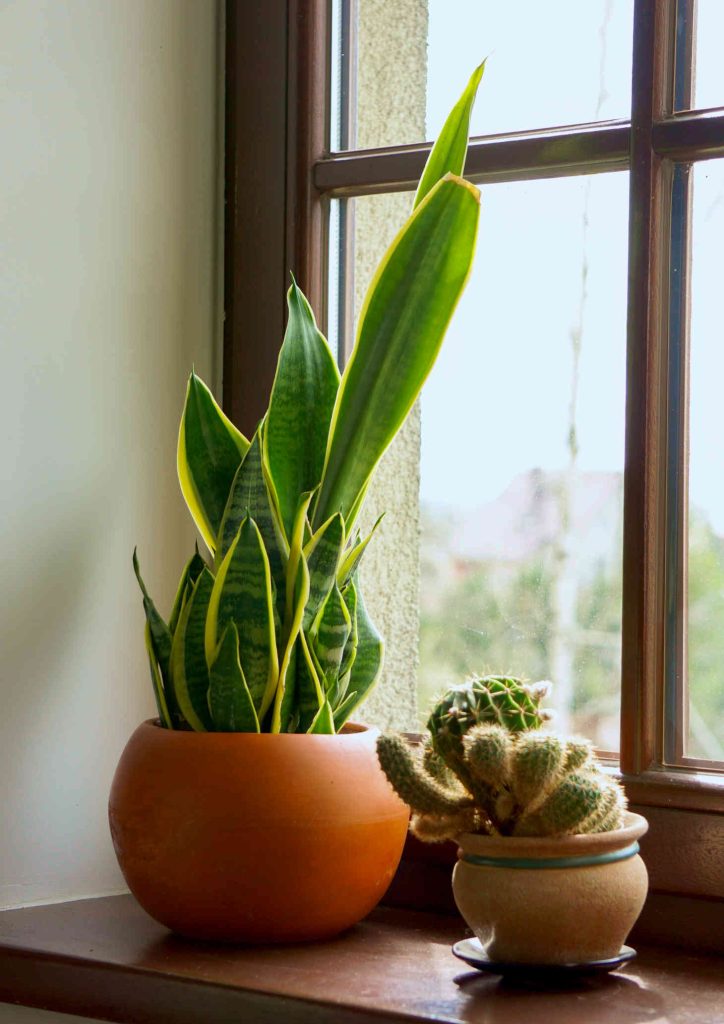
647, 187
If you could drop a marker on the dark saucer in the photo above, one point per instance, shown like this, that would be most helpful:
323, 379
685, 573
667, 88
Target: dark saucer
471, 952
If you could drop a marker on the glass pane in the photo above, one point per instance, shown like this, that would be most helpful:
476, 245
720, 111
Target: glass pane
706, 471
555, 63
709, 72
522, 455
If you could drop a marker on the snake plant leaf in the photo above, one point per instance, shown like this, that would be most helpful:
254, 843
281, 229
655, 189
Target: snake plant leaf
367, 662
189, 670
158, 630
158, 689
338, 692
242, 594
448, 153
335, 627
350, 562
324, 721
210, 449
310, 695
287, 675
402, 325
230, 703
349, 594
289, 716
300, 408
323, 553
296, 555
344, 710
249, 496
185, 588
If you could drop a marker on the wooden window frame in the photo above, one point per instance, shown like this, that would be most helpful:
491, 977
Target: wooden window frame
280, 178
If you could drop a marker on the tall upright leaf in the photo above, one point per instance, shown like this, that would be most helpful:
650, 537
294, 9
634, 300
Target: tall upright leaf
249, 496
367, 662
335, 628
300, 408
230, 703
287, 679
402, 325
189, 670
310, 693
242, 594
323, 553
191, 573
448, 153
352, 558
159, 690
210, 449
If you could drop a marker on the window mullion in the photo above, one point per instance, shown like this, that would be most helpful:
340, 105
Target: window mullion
556, 152
645, 498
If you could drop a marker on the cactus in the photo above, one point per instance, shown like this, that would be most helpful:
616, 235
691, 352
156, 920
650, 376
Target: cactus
491, 700
415, 785
503, 777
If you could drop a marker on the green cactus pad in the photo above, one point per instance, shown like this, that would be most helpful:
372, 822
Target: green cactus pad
485, 700
412, 783
537, 766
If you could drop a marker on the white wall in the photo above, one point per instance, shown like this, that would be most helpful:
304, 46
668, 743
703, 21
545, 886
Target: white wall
108, 292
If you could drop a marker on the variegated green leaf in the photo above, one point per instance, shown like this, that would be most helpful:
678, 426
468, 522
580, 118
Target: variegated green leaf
449, 152
324, 721
335, 627
300, 408
402, 325
190, 574
160, 640
310, 687
350, 651
249, 496
242, 594
344, 710
367, 663
157, 681
293, 625
230, 703
323, 553
352, 558
296, 555
210, 449
189, 669
339, 691
289, 708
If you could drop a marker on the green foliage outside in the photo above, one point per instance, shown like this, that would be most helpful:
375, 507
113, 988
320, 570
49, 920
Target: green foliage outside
493, 617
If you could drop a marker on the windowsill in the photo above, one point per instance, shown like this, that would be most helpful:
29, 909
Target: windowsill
106, 958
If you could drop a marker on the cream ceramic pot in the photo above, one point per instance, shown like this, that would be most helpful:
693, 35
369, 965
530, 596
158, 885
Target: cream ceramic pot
552, 901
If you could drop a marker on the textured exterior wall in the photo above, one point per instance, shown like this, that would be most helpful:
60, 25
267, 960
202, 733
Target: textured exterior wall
391, 109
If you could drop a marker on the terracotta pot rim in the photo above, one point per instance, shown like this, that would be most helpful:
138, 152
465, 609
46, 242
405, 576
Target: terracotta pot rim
350, 732
513, 847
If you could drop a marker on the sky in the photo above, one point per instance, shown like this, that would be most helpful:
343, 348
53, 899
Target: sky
497, 403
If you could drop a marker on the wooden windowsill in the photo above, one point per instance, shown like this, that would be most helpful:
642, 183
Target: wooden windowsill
106, 958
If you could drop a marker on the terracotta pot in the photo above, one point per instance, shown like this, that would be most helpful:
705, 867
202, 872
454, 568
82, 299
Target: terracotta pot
552, 901
254, 837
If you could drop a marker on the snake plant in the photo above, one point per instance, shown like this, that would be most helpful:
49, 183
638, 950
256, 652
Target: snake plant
271, 632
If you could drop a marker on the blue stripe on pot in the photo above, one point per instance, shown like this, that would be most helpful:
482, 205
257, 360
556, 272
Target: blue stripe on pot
552, 862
